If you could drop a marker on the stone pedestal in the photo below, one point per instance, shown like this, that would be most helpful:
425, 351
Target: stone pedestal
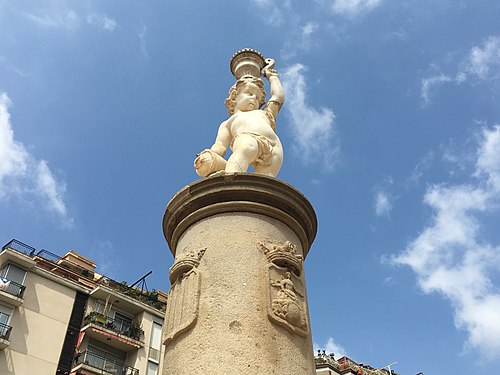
238, 303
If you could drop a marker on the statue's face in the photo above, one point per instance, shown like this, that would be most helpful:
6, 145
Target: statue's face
249, 97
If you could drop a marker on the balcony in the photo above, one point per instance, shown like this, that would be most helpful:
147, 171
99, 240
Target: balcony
117, 333
11, 292
4, 335
91, 363
18, 253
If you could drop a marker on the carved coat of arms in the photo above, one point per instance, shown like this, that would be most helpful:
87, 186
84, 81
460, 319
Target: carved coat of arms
286, 302
184, 295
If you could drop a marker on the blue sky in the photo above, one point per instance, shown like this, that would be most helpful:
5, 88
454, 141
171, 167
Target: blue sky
391, 128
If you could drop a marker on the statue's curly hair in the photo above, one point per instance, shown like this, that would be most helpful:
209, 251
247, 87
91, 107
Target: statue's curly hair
230, 102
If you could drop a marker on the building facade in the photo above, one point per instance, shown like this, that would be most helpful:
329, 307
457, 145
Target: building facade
326, 364
58, 316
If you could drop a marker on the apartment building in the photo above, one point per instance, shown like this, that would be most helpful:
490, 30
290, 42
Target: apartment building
326, 364
59, 316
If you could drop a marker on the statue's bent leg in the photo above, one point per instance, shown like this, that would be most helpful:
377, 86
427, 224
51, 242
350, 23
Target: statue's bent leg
273, 168
245, 151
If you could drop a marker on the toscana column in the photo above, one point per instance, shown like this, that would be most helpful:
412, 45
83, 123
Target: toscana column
237, 302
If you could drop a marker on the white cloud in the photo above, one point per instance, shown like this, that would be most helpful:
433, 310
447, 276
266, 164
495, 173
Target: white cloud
104, 253
102, 21
312, 129
451, 257
274, 12
47, 186
55, 18
331, 347
13, 155
420, 169
429, 83
24, 176
382, 204
301, 39
482, 63
142, 41
354, 7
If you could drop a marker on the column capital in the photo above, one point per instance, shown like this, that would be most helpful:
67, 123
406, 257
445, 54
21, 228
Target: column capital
240, 192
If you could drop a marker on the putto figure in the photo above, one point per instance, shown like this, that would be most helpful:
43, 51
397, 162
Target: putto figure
250, 132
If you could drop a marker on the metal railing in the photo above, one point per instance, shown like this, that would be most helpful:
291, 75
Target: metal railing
109, 366
19, 246
64, 267
48, 255
12, 287
5, 331
131, 330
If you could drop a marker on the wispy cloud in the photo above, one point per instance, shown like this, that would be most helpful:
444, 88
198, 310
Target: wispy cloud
312, 129
275, 12
142, 42
354, 7
302, 39
13, 155
429, 83
55, 18
383, 200
49, 188
331, 347
423, 165
102, 21
22, 175
382, 204
451, 257
104, 253
482, 63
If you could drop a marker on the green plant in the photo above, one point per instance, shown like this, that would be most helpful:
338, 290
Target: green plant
96, 317
135, 331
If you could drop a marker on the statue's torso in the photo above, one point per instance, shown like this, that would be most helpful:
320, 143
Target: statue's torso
252, 122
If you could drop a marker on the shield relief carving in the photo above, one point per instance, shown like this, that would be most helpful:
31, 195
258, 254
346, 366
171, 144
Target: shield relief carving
184, 295
286, 300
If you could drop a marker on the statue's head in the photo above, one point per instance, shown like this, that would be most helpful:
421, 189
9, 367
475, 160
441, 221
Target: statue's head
240, 85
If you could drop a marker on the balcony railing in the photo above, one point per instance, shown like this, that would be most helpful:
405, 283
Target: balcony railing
5, 331
19, 246
108, 366
131, 330
12, 287
64, 267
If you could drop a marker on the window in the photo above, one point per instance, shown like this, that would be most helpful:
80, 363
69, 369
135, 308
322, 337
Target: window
5, 314
121, 322
104, 357
155, 342
14, 273
152, 368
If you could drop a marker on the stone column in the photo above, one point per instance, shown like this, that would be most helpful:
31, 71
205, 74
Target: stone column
238, 302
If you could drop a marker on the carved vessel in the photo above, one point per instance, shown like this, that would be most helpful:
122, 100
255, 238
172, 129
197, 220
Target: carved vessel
247, 62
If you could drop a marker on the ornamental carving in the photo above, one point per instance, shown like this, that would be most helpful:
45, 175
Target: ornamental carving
284, 255
184, 295
184, 263
287, 305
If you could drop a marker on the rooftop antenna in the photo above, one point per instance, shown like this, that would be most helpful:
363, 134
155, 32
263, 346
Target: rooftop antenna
389, 366
142, 282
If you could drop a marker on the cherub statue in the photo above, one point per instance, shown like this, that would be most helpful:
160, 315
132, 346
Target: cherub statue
250, 131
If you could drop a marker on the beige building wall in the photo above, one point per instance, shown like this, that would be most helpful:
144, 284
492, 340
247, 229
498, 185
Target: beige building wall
39, 327
40, 319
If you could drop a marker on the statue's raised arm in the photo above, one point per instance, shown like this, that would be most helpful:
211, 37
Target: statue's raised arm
250, 131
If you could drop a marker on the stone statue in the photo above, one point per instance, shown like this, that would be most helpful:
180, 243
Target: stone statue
250, 132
